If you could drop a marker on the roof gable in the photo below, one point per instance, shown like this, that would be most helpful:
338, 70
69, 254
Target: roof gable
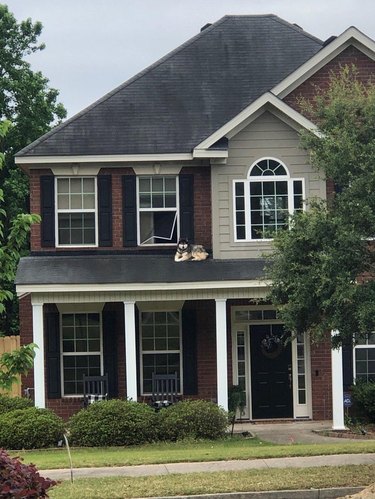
177, 102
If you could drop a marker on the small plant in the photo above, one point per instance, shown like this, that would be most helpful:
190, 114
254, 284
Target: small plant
113, 422
18, 480
30, 428
364, 396
194, 419
236, 403
8, 404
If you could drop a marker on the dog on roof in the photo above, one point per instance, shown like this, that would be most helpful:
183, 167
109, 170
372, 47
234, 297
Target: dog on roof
186, 251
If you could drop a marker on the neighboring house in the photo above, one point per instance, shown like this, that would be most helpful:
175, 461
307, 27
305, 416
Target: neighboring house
203, 144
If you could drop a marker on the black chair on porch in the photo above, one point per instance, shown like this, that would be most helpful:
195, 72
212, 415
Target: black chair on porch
95, 388
164, 390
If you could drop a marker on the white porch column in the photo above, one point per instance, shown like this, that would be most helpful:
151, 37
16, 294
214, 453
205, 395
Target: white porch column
221, 353
130, 350
337, 389
38, 339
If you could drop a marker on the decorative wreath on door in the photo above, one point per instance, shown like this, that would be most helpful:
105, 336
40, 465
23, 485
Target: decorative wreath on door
271, 346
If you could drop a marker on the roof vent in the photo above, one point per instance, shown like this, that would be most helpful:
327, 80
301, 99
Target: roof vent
205, 26
329, 40
298, 26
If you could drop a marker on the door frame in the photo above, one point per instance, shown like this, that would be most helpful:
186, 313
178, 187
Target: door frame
242, 317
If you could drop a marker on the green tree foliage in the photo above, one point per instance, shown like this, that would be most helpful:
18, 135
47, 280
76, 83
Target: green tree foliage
14, 363
323, 267
31, 106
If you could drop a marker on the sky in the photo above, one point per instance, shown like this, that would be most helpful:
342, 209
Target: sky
92, 46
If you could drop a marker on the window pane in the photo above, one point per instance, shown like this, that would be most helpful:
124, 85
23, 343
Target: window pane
63, 186
76, 201
158, 227
144, 185
75, 185
89, 185
170, 184
63, 202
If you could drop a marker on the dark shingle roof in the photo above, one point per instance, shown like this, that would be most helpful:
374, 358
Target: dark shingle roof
182, 99
126, 269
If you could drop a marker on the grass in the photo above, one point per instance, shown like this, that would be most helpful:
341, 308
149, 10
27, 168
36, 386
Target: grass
218, 482
158, 453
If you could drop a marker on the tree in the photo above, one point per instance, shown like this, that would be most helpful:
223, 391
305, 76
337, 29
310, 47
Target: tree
31, 106
323, 268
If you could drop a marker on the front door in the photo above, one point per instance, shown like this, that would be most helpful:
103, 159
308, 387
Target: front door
271, 372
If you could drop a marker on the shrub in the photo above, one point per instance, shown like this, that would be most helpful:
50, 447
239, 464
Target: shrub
113, 422
12, 403
364, 397
18, 480
30, 428
192, 419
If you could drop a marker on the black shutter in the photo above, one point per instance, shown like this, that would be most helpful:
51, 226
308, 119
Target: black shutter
189, 351
186, 187
347, 366
110, 351
129, 210
47, 204
52, 335
105, 210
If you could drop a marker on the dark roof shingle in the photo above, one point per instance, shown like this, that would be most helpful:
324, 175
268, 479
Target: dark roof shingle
182, 99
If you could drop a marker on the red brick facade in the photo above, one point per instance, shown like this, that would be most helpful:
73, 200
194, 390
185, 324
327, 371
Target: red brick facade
321, 380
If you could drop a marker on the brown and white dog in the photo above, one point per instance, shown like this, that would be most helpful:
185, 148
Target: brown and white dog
186, 251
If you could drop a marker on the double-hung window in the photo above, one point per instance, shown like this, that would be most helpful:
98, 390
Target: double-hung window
82, 350
364, 359
157, 210
76, 213
264, 202
160, 346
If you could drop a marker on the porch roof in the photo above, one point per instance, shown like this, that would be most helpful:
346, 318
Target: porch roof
115, 269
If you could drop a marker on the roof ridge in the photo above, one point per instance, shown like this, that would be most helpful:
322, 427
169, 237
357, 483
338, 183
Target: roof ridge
117, 89
297, 28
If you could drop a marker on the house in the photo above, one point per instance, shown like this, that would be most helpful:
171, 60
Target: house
203, 144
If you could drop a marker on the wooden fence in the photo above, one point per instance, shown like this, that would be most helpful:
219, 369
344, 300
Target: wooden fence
8, 344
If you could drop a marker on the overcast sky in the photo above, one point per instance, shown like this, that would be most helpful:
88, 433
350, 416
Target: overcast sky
94, 45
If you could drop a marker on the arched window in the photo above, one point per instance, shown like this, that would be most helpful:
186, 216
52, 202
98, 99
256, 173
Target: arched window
264, 202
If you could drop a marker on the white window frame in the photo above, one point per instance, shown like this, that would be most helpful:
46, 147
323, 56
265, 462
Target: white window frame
272, 178
169, 209
156, 352
75, 354
366, 346
83, 210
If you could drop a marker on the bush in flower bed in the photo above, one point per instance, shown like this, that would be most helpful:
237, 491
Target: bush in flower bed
364, 396
18, 480
113, 422
30, 428
12, 403
196, 419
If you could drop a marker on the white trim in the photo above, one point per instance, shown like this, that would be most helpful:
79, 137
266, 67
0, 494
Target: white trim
130, 350
76, 170
38, 339
221, 353
154, 170
105, 158
244, 329
352, 36
242, 119
162, 286
199, 153
361, 346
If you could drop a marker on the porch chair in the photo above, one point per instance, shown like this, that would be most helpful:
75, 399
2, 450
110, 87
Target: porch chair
95, 388
164, 390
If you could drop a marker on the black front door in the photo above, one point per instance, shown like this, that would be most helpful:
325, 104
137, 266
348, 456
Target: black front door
271, 372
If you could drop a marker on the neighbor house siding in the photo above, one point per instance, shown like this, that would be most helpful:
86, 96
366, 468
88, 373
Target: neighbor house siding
267, 136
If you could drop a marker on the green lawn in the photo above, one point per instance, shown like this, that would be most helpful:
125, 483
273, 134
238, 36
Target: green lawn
211, 483
230, 448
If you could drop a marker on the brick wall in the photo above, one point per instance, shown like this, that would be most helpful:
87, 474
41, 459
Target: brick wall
308, 89
202, 203
321, 379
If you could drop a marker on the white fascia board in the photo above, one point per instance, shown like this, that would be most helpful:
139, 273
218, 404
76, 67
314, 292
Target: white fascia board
22, 289
244, 117
105, 158
199, 153
352, 36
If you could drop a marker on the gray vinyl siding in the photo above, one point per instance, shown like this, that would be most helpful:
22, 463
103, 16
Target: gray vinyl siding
267, 136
